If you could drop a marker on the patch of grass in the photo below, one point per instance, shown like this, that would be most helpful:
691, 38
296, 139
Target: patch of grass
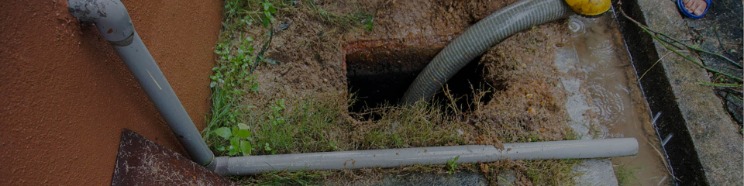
241, 13
551, 172
624, 175
343, 21
295, 126
417, 125
530, 172
284, 178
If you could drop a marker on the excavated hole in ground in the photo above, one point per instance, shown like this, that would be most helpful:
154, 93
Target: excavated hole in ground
379, 76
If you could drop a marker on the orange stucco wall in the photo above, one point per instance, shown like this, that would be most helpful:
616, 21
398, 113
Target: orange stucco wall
65, 94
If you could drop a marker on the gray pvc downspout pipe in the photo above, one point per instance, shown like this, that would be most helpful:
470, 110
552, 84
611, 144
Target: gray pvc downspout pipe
386, 158
113, 23
478, 39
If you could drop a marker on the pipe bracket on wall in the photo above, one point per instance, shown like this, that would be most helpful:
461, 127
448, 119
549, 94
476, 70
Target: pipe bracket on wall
114, 25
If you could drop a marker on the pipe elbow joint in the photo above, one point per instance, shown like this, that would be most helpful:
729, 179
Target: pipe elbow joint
109, 16
220, 165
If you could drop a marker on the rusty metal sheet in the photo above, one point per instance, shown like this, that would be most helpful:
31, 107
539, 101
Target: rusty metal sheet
143, 162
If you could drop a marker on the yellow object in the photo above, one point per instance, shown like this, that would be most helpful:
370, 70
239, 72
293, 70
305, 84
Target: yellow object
589, 7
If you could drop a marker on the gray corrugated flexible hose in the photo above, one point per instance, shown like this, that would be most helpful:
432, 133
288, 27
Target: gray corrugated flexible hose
478, 39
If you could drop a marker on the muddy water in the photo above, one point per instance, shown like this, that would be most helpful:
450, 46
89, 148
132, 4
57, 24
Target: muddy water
603, 100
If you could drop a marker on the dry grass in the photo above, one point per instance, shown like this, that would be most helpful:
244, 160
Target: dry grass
416, 125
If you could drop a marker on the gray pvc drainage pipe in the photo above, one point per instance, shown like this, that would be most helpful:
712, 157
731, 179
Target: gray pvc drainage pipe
386, 158
113, 23
478, 39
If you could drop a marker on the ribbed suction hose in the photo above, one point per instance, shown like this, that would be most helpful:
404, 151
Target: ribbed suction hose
478, 39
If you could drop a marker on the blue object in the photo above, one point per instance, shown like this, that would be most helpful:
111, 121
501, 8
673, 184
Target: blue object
681, 6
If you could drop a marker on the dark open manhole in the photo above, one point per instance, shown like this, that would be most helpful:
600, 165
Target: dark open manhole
380, 75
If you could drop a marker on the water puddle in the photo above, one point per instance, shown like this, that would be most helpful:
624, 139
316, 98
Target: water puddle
603, 99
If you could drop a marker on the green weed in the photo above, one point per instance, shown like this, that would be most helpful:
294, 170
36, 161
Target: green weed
238, 136
721, 80
268, 11
369, 23
232, 79
452, 165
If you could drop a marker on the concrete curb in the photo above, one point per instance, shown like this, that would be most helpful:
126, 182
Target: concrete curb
703, 141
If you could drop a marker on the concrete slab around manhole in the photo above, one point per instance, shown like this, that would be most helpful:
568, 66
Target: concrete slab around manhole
142, 162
